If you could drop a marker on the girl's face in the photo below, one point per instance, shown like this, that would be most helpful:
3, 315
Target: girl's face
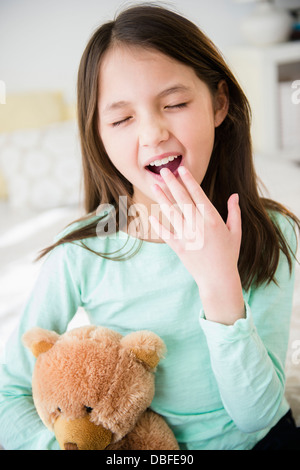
153, 111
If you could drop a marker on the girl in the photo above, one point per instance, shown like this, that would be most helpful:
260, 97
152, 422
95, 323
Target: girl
164, 128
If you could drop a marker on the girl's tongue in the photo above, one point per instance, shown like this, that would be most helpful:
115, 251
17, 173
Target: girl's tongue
171, 165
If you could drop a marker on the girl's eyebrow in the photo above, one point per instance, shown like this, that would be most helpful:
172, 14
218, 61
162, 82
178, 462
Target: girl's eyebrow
168, 91
174, 89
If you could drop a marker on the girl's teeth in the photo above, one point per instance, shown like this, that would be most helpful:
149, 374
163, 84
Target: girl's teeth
163, 161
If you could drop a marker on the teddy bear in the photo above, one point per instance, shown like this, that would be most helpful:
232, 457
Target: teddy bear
93, 388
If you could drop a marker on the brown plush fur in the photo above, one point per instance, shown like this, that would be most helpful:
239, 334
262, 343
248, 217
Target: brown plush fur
92, 387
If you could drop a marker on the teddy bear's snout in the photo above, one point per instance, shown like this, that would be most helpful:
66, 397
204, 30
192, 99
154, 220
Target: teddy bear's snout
81, 434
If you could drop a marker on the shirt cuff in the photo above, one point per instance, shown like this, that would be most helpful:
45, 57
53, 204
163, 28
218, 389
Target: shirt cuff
243, 327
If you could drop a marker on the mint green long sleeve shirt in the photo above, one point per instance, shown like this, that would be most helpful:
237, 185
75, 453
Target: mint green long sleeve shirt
219, 387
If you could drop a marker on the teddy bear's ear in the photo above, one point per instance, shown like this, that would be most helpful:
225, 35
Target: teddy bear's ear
39, 340
146, 346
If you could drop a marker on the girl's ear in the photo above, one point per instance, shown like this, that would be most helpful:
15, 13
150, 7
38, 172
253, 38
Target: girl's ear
221, 103
39, 340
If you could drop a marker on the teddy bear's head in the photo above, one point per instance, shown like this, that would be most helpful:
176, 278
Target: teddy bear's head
91, 384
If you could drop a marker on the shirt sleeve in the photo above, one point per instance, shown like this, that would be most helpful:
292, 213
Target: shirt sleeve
52, 304
248, 357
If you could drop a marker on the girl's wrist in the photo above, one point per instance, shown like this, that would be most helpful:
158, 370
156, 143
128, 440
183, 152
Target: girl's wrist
223, 303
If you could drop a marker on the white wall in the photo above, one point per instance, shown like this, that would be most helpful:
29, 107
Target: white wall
41, 41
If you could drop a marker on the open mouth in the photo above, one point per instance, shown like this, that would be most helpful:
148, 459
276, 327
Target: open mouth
172, 163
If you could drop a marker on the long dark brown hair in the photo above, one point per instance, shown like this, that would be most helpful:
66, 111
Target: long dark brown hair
231, 168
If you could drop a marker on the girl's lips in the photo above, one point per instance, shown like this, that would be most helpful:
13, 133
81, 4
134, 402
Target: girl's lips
172, 166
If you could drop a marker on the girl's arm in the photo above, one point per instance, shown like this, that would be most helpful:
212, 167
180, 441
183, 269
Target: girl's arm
248, 346
52, 304
248, 358
207, 246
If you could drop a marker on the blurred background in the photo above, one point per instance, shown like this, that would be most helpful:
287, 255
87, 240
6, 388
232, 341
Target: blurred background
41, 43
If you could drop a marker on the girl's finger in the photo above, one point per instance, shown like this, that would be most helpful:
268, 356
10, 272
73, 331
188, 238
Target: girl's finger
183, 198
178, 191
160, 196
234, 221
163, 233
171, 211
196, 192
189, 193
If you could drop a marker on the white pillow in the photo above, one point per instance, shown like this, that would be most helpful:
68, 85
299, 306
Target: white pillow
42, 167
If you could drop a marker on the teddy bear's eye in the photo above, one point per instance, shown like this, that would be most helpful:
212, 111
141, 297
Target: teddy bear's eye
88, 409
58, 409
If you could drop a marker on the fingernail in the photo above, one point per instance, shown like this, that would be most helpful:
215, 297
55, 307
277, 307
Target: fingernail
237, 198
182, 170
164, 172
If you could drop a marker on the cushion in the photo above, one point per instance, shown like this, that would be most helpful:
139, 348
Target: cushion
42, 166
30, 110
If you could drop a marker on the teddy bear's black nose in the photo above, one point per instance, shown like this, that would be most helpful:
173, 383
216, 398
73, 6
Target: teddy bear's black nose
70, 446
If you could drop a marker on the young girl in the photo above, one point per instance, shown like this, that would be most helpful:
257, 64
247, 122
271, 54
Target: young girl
176, 240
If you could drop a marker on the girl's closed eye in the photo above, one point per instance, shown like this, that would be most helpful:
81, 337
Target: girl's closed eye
122, 121
174, 106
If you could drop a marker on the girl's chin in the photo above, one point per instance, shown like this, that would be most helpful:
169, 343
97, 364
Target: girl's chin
147, 200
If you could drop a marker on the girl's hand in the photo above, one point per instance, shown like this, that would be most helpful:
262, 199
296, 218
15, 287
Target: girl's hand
207, 246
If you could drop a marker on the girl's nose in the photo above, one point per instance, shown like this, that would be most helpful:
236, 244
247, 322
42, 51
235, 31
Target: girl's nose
152, 132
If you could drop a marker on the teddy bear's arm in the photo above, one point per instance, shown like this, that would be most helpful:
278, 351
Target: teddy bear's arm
150, 433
